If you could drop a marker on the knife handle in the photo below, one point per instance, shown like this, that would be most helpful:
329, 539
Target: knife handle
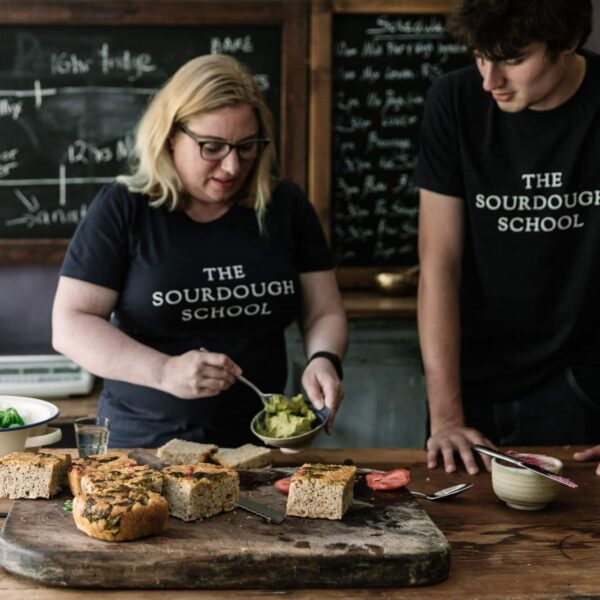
499, 455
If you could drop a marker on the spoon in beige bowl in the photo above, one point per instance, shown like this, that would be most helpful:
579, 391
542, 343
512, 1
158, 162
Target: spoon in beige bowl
264, 397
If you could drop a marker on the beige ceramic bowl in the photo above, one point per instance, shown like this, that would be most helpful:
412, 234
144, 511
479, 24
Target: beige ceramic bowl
289, 445
35, 433
524, 489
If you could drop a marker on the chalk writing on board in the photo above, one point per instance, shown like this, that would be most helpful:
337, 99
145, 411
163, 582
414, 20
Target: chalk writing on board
382, 67
70, 99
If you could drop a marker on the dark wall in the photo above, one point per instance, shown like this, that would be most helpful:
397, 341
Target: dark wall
26, 294
593, 42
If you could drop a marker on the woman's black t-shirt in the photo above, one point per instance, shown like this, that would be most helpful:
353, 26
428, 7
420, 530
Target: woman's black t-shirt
183, 285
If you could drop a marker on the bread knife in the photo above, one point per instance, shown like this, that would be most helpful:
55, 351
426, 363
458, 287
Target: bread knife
269, 514
509, 458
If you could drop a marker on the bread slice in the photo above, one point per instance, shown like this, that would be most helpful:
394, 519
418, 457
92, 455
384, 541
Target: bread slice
200, 491
65, 465
140, 476
120, 514
247, 456
102, 462
182, 452
31, 475
321, 491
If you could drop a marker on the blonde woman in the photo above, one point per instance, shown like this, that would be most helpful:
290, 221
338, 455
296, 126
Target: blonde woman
199, 248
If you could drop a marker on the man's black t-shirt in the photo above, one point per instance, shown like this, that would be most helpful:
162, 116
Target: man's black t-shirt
183, 285
530, 180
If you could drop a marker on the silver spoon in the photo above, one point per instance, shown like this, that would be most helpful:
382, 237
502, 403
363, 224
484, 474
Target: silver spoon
322, 413
264, 397
445, 493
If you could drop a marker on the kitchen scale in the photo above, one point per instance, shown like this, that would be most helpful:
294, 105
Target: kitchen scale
44, 376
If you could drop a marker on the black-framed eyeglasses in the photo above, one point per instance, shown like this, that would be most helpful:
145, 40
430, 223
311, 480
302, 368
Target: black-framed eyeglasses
218, 149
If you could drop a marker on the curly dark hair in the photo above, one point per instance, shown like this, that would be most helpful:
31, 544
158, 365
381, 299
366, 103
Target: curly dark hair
500, 29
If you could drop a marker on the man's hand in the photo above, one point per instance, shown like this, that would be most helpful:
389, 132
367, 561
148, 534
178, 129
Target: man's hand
457, 439
589, 454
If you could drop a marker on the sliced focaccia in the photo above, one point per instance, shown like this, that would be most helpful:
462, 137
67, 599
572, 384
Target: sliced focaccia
200, 491
320, 491
247, 456
32, 474
183, 452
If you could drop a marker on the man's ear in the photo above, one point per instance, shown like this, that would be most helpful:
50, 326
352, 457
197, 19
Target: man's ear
573, 47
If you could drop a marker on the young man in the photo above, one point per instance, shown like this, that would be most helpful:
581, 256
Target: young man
509, 239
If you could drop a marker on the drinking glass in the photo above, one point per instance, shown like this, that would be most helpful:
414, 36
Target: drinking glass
91, 435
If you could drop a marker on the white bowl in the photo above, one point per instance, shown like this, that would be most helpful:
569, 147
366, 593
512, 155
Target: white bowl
34, 434
524, 489
288, 445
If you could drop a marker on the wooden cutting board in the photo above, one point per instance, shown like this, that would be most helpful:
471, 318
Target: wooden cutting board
385, 539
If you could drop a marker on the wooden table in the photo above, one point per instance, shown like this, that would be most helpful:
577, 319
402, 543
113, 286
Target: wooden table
497, 552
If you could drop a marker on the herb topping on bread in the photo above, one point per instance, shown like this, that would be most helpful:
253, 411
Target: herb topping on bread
96, 462
141, 476
120, 514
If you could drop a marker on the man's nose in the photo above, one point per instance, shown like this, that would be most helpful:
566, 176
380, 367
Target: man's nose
492, 75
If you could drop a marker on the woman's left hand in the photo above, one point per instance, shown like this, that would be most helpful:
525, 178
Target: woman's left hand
323, 387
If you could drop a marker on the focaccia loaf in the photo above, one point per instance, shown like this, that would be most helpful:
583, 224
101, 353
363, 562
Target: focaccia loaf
200, 491
140, 476
120, 514
321, 491
101, 462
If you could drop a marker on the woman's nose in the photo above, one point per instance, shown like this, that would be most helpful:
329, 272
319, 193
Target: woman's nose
231, 163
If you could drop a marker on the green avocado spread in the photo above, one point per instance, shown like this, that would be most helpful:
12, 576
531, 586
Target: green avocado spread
286, 417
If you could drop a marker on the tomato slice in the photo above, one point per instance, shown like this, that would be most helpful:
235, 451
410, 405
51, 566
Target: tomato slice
283, 485
390, 480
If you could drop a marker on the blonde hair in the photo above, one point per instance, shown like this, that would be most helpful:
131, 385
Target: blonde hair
204, 84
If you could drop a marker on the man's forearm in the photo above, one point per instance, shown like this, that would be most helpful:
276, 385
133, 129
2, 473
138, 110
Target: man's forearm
439, 333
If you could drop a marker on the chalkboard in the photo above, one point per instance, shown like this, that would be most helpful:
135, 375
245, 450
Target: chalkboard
382, 66
76, 75
70, 99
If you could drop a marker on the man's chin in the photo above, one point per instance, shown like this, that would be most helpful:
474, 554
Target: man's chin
510, 106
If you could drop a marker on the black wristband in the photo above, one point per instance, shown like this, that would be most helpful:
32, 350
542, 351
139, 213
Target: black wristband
334, 358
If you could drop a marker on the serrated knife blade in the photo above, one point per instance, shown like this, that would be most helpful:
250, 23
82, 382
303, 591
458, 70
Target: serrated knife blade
256, 508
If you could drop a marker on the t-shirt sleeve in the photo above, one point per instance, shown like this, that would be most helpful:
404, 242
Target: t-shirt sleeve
438, 166
312, 252
99, 250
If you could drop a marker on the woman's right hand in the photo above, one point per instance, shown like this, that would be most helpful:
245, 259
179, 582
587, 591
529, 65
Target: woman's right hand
197, 374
